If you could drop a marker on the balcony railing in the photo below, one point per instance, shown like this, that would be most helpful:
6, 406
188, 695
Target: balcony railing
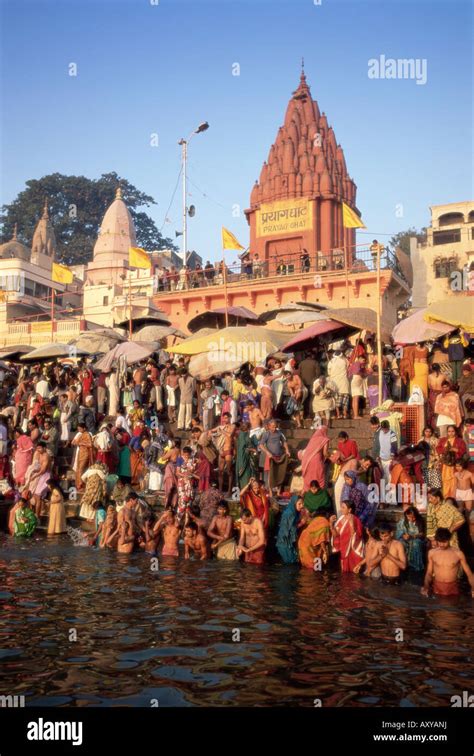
277, 267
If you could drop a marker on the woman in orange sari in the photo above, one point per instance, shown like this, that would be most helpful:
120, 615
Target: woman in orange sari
451, 449
254, 497
314, 456
314, 542
84, 453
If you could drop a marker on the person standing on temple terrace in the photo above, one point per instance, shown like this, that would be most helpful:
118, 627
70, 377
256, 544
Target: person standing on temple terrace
444, 564
274, 445
338, 374
384, 448
448, 409
252, 540
257, 266
442, 514
186, 384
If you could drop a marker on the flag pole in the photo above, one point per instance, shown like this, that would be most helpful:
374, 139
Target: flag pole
52, 311
130, 324
379, 325
224, 273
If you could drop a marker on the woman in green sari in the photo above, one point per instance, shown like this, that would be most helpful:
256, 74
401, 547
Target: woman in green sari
317, 498
246, 463
25, 520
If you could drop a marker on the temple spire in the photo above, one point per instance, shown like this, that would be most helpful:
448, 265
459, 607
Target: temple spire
15, 229
45, 208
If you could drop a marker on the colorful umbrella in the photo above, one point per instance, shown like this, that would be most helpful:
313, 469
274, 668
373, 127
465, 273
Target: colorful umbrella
415, 329
456, 310
305, 338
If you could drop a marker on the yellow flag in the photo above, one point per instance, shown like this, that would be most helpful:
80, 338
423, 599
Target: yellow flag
350, 219
61, 274
138, 258
229, 241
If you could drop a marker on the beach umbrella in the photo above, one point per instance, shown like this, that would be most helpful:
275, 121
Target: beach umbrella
415, 328
217, 318
234, 344
52, 351
202, 367
299, 317
305, 339
290, 307
456, 311
131, 350
156, 333
359, 318
97, 342
14, 351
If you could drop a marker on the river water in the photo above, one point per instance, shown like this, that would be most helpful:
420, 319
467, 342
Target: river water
169, 637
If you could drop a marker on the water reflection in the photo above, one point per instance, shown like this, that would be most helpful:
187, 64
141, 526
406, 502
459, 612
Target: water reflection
168, 635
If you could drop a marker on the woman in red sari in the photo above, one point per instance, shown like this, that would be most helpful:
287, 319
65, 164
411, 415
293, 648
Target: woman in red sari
347, 535
22, 456
254, 497
313, 457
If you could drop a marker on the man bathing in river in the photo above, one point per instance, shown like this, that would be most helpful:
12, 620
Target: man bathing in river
252, 539
388, 554
220, 532
195, 541
168, 526
442, 572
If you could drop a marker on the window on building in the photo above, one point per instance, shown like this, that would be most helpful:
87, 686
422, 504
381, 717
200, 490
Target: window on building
105, 301
446, 237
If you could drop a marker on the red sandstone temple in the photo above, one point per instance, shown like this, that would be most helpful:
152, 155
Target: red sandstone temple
297, 203
297, 235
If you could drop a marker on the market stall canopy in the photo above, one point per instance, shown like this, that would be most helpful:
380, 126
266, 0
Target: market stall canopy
14, 351
156, 333
54, 351
359, 318
235, 344
265, 317
415, 328
131, 350
305, 338
456, 311
236, 316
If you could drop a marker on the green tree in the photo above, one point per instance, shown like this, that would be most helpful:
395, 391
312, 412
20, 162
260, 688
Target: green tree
76, 207
402, 239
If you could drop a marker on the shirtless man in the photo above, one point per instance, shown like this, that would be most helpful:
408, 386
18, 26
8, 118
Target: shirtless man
392, 557
149, 540
373, 555
226, 433
196, 542
443, 566
126, 539
464, 486
252, 539
255, 419
220, 533
295, 388
168, 526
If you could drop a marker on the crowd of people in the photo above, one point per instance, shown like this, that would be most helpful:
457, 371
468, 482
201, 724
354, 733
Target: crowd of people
160, 458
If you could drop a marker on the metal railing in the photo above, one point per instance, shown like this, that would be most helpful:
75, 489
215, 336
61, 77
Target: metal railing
277, 266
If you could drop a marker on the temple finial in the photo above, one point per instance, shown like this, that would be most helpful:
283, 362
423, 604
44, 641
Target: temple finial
302, 68
45, 208
118, 193
15, 229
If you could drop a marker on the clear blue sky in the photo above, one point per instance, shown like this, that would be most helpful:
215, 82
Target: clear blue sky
145, 68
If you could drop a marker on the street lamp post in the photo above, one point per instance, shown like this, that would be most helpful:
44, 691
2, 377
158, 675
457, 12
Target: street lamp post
376, 250
184, 157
